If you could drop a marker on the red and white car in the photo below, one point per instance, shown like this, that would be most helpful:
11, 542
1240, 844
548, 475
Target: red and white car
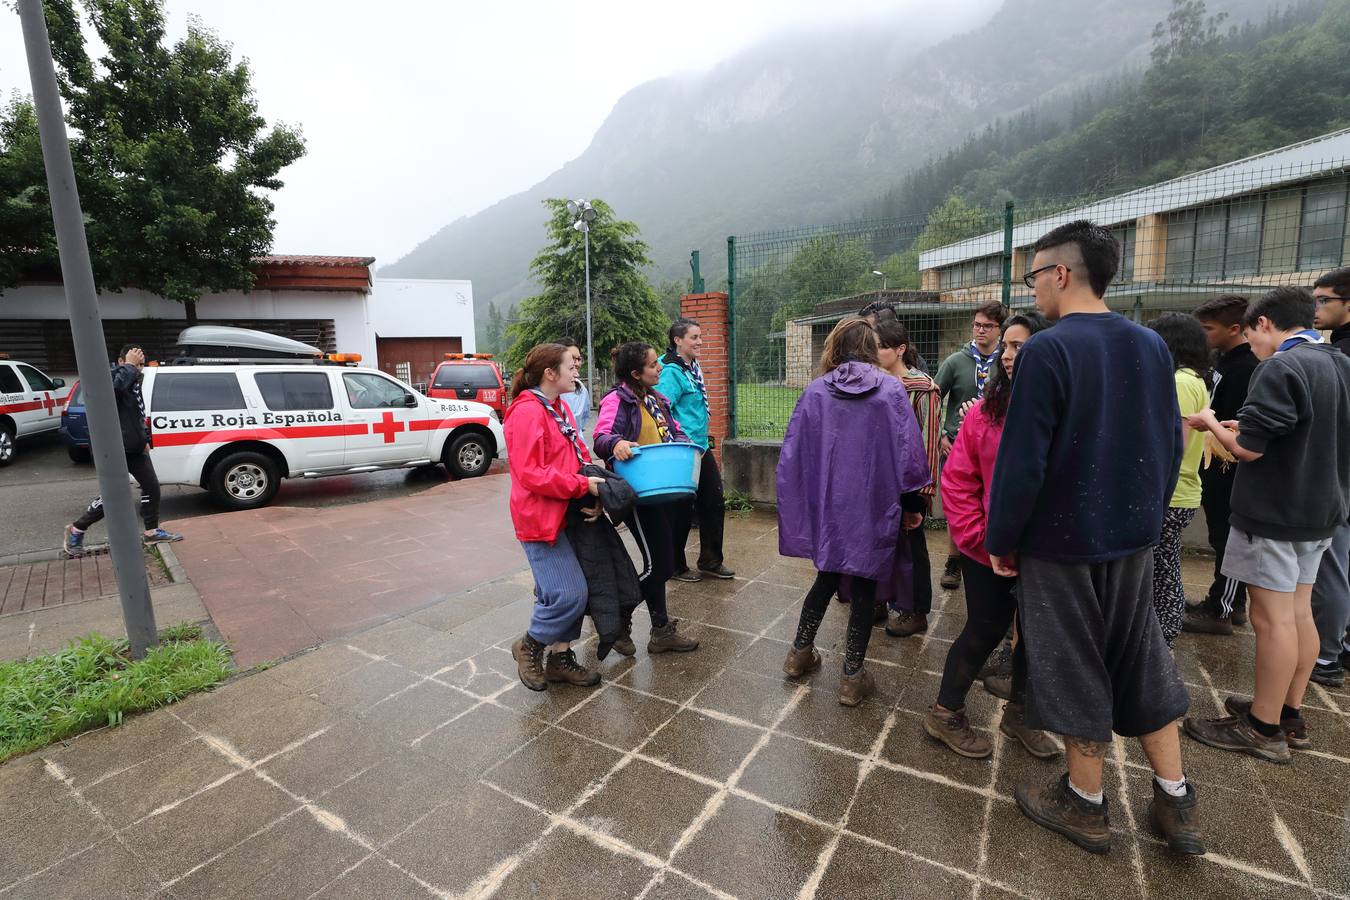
30, 403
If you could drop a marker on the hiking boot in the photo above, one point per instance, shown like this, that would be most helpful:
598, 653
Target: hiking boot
667, 639
73, 542
953, 729
529, 655
1205, 620
564, 667
624, 646
1055, 806
1177, 820
801, 662
1237, 734
854, 688
1014, 725
999, 662
951, 574
689, 576
905, 624
999, 685
1239, 616
1329, 675
1295, 729
718, 571
880, 614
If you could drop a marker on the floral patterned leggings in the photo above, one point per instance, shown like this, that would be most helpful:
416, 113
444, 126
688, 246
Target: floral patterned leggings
1169, 597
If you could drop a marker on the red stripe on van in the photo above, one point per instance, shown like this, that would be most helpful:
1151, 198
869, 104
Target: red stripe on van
433, 424
294, 432
21, 407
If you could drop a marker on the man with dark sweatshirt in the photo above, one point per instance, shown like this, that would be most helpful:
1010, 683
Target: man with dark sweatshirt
1292, 493
1221, 317
1090, 454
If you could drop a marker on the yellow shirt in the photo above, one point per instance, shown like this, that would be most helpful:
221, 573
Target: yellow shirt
648, 433
1191, 397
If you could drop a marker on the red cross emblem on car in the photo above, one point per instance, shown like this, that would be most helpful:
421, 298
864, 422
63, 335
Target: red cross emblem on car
388, 427
47, 402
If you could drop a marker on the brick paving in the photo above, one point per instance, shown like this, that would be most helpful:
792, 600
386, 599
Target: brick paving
42, 585
408, 761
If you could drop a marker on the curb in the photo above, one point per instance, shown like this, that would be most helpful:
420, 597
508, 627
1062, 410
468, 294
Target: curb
30, 556
176, 573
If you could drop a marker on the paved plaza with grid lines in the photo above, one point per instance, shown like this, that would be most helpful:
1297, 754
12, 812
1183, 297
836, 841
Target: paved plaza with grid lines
408, 761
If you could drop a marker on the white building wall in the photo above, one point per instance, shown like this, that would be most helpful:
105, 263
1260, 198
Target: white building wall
423, 307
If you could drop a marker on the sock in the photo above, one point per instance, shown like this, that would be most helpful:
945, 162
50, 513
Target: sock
1262, 728
76, 530
1326, 662
1091, 798
1173, 788
1290, 712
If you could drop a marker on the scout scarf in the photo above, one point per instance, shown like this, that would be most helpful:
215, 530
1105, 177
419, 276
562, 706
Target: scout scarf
563, 425
693, 368
1307, 335
982, 364
654, 408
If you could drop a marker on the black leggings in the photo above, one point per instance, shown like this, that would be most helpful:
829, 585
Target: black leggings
140, 468
861, 616
991, 605
654, 529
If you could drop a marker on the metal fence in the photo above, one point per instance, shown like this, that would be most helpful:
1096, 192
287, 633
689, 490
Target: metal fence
1241, 228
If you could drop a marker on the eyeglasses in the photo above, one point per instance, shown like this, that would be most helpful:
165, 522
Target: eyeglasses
1321, 301
984, 326
1029, 279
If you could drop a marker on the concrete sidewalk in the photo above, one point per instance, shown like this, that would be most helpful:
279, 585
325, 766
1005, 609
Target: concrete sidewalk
408, 761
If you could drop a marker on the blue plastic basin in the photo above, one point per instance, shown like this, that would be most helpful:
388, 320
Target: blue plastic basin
662, 472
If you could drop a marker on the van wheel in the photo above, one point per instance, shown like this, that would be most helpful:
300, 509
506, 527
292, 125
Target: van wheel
6, 444
79, 454
244, 480
468, 456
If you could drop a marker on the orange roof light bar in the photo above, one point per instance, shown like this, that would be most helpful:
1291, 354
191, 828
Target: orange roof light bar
468, 356
344, 357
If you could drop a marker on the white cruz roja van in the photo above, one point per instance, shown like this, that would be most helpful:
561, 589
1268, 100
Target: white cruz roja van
239, 410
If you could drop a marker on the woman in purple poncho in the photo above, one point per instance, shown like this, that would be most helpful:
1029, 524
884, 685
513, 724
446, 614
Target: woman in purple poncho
849, 479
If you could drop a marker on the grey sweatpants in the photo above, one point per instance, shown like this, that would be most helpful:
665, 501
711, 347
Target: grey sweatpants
1331, 596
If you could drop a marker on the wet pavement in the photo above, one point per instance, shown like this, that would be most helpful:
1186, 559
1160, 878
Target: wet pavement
408, 761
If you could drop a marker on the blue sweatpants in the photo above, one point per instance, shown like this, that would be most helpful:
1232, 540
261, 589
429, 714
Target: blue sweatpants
560, 591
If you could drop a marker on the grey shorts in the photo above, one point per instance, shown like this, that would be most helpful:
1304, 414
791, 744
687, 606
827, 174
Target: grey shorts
1279, 566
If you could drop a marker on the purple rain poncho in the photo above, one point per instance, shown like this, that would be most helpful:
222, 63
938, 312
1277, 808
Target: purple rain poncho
852, 448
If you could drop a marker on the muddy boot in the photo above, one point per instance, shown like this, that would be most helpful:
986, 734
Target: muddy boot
1295, 728
563, 667
999, 685
624, 646
951, 574
1177, 820
854, 688
667, 639
905, 624
1206, 619
1055, 806
953, 729
1014, 725
801, 662
529, 655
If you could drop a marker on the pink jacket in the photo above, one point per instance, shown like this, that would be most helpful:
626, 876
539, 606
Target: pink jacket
967, 479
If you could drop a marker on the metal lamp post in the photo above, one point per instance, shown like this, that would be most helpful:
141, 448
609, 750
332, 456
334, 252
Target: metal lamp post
883, 276
583, 214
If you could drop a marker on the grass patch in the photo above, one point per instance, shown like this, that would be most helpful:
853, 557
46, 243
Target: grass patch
93, 683
763, 410
181, 631
735, 501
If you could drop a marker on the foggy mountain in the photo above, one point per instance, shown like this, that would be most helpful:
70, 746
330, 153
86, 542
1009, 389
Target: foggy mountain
796, 131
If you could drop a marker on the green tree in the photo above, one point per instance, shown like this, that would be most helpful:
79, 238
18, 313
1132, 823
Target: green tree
27, 243
494, 330
624, 307
668, 294
173, 160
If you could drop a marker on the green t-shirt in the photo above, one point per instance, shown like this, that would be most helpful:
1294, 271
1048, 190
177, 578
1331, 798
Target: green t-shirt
957, 380
1191, 397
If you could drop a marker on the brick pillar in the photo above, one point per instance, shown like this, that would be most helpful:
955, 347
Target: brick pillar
711, 312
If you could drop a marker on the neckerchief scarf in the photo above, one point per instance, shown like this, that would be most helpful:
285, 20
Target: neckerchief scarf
1306, 336
662, 426
693, 368
982, 364
563, 425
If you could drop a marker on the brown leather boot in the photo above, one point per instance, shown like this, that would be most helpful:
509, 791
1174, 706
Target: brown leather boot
565, 668
1055, 806
667, 639
953, 729
801, 662
1014, 725
1295, 729
854, 688
905, 624
529, 655
624, 646
1177, 820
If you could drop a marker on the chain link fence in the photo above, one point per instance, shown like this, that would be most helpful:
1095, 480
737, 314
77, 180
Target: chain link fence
1239, 229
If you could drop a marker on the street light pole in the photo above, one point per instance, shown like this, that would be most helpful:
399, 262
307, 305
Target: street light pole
86, 328
585, 214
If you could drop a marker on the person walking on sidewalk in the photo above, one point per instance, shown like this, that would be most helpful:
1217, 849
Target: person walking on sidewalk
545, 454
1331, 593
1291, 495
849, 479
1185, 340
579, 398
960, 379
991, 601
635, 414
682, 384
1226, 603
127, 375
1089, 456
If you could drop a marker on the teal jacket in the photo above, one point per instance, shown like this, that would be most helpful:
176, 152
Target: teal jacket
686, 401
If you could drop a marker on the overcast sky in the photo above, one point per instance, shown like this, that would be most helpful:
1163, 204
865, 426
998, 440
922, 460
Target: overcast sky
417, 113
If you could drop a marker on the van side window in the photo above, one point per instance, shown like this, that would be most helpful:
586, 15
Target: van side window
9, 380
36, 380
374, 392
191, 391
283, 391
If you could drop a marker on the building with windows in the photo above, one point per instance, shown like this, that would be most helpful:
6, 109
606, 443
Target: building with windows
1243, 227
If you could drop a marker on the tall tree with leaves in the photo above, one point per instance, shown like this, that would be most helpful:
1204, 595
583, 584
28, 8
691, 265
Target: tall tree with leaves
27, 243
624, 307
173, 160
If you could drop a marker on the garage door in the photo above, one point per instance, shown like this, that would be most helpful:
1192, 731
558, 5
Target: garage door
412, 360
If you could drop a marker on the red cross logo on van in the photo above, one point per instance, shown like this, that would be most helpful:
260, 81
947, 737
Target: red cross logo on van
48, 403
388, 427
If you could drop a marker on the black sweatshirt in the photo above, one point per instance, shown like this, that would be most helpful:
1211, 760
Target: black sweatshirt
1232, 377
1298, 415
1340, 339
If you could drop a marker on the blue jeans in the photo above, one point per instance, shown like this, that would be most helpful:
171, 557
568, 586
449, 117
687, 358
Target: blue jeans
560, 591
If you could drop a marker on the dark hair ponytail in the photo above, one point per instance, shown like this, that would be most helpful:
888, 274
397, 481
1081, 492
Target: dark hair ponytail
678, 329
629, 358
539, 360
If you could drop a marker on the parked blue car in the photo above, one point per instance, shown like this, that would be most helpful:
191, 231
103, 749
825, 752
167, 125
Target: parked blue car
75, 427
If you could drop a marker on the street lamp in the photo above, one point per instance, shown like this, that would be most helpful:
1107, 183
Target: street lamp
584, 214
882, 275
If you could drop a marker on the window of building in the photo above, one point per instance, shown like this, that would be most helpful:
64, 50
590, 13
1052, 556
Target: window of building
1180, 245
193, 391
1125, 235
1321, 237
1215, 242
283, 391
1242, 253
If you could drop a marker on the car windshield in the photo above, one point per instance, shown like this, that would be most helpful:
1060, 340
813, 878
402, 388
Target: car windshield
475, 377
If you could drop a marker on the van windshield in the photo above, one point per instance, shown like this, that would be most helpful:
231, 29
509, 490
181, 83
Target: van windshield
481, 377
